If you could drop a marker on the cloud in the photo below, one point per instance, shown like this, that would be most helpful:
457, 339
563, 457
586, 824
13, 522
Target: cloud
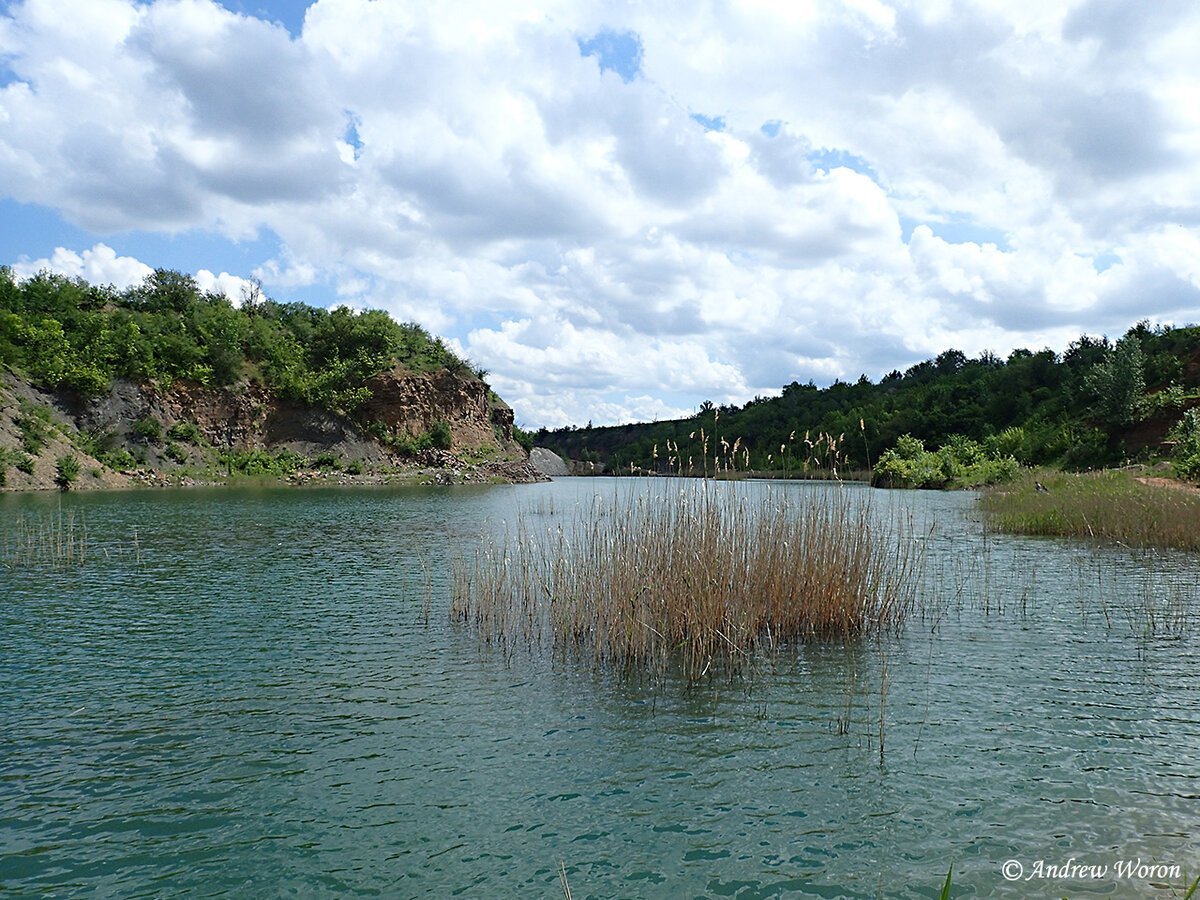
99, 265
535, 182
233, 287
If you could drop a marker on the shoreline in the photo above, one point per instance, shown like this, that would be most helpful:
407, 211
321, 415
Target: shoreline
463, 473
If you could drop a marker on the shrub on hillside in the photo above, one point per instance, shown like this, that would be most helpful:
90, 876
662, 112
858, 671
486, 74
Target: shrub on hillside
440, 437
66, 471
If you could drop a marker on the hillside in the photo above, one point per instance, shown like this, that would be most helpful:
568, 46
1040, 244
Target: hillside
164, 383
1097, 403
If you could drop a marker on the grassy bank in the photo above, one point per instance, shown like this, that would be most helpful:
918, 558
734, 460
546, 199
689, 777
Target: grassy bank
701, 578
1109, 505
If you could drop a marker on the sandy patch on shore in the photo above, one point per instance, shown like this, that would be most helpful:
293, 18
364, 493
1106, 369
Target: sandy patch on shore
1155, 481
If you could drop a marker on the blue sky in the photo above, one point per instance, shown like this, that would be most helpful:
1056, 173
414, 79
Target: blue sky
623, 210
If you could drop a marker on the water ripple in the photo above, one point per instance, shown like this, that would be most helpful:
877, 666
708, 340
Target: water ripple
250, 702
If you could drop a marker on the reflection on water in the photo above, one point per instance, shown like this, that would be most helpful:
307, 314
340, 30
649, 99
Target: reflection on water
247, 699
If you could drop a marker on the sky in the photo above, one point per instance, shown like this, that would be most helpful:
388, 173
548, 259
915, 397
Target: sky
622, 209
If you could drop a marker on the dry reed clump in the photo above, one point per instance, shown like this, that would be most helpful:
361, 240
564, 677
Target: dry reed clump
700, 578
53, 541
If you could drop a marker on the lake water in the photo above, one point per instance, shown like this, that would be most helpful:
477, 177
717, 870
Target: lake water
258, 692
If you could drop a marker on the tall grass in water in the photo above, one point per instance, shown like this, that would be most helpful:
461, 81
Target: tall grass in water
1108, 506
700, 578
54, 541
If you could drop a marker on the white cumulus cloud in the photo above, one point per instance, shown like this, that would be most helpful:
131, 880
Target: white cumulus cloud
778, 192
99, 265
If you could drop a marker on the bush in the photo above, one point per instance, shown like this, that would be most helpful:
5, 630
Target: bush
327, 460
1171, 397
260, 462
961, 462
910, 465
1186, 435
188, 432
523, 437
1014, 442
118, 459
1087, 448
148, 429
93, 443
440, 437
175, 452
995, 471
34, 424
66, 471
354, 467
25, 463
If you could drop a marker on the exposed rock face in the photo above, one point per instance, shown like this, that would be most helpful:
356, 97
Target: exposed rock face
246, 417
138, 419
548, 462
40, 471
412, 401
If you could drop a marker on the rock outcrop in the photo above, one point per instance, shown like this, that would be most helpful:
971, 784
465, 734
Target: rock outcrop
548, 462
148, 433
411, 402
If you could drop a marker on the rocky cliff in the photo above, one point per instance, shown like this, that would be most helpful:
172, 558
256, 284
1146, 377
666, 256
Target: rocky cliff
190, 432
411, 403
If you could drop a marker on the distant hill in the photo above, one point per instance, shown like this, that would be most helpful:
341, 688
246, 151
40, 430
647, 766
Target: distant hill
165, 380
1096, 403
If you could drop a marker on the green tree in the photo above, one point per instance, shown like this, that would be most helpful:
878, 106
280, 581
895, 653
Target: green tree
1186, 435
1119, 381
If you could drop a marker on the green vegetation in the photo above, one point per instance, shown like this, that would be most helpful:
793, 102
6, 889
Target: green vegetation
523, 437
961, 463
188, 432
175, 453
68, 335
327, 461
1097, 404
695, 579
439, 435
945, 894
119, 460
66, 470
1112, 505
35, 424
25, 463
1118, 381
149, 429
1186, 435
260, 463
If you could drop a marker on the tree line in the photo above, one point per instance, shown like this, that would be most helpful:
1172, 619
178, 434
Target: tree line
66, 334
1098, 403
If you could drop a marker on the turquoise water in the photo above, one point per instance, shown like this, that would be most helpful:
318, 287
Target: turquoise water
258, 693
